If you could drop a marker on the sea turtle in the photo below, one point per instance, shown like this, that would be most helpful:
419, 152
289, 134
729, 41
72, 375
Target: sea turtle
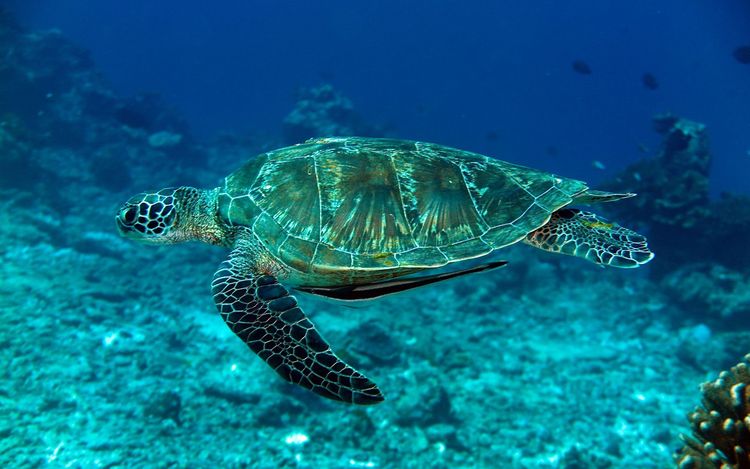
356, 218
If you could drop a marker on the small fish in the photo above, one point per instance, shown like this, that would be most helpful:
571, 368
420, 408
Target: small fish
598, 165
552, 150
742, 54
637, 176
649, 81
579, 66
643, 148
491, 136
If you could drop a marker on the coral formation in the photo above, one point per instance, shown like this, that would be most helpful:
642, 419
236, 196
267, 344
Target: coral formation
704, 265
324, 112
685, 225
673, 187
721, 426
53, 100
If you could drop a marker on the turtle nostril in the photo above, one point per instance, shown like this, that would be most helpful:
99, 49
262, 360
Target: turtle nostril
128, 216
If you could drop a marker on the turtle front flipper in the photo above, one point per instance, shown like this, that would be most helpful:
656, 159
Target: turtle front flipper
584, 234
262, 313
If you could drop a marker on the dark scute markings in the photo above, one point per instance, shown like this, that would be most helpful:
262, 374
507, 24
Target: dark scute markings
155, 210
641, 257
271, 292
292, 315
282, 304
315, 341
244, 283
143, 209
297, 332
299, 352
284, 371
346, 395
327, 360
274, 360
266, 280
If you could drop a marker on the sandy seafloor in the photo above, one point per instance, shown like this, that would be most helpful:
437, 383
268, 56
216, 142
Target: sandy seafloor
115, 358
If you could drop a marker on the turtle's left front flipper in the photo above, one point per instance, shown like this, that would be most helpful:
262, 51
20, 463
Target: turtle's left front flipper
266, 317
587, 235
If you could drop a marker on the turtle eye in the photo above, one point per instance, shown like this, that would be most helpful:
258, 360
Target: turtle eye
129, 215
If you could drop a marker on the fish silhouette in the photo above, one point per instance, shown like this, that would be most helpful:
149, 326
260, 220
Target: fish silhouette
649, 81
581, 67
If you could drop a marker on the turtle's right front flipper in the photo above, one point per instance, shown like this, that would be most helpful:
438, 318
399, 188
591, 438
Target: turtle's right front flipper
266, 317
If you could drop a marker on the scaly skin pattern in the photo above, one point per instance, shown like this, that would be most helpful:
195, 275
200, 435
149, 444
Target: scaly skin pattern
588, 236
351, 210
174, 215
262, 313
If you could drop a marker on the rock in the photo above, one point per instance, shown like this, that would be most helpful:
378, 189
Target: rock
165, 405
373, 345
164, 139
710, 291
233, 396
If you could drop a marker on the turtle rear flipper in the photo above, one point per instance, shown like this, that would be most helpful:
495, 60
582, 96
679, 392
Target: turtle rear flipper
262, 313
584, 234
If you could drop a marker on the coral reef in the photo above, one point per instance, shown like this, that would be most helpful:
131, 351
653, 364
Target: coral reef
324, 112
721, 426
703, 260
61, 125
673, 187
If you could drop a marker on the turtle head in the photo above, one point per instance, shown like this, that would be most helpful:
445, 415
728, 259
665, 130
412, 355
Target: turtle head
160, 217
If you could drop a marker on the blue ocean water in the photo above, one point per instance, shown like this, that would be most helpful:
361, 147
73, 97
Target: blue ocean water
439, 71
114, 354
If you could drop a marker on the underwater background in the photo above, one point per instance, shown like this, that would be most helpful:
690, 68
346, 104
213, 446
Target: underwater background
114, 355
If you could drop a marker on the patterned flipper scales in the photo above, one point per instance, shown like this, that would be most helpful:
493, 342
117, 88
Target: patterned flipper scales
584, 234
266, 317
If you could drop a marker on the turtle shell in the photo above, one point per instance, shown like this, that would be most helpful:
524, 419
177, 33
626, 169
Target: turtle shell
346, 203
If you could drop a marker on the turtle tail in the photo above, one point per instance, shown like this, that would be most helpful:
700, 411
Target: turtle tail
584, 234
